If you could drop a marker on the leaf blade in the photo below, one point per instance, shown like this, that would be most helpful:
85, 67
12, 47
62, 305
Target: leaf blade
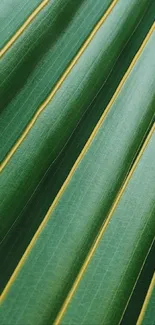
35, 149
17, 14
106, 280
47, 191
57, 225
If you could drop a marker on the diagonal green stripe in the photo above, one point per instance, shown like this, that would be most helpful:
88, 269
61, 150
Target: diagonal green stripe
13, 15
108, 280
48, 271
45, 194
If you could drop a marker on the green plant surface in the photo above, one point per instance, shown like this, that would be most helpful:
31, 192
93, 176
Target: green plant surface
77, 162
44, 51
140, 289
55, 125
102, 288
20, 235
13, 15
58, 249
147, 315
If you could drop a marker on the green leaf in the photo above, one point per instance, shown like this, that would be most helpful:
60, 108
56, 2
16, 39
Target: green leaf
140, 289
47, 270
18, 239
36, 61
109, 273
77, 151
56, 123
147, 315
13, 15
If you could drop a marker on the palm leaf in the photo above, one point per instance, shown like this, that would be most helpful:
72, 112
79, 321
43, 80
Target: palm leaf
66, 231
105, 281
41, 143
45, 69
15, 17
77, 158
115, 286
31, 217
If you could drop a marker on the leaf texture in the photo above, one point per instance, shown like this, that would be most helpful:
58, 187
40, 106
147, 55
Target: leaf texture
101, 291
67, 230
147, 315
46, 139
13, 14
14, 245
139, 292
77, 151
44, 51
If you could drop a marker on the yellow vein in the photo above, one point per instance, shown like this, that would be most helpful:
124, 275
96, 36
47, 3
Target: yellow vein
102, 231
59, 83
146, 301
60, 193
23, 27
